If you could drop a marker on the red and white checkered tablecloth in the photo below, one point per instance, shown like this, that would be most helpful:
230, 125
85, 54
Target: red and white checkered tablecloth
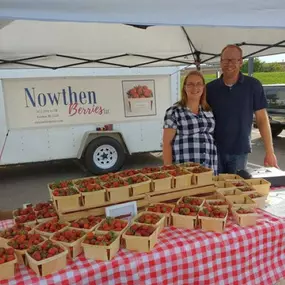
252, 255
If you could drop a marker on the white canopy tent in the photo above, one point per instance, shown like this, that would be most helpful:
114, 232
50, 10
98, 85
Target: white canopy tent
129, 33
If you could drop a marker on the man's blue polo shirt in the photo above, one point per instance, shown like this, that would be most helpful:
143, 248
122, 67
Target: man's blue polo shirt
233, 108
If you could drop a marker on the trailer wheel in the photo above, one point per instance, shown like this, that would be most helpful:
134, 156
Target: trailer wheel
103, 155
276, 132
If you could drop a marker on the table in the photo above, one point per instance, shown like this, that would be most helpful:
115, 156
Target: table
252, 255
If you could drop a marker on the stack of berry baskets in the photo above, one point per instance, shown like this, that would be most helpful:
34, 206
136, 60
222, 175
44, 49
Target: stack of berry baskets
47, 258
92, 192
45, 212
8, 260
185, 213
181, 177
8, 234
25, 216
243, 201
101, 246
236, 183
139, 184
142, 234
21, 242
71, 239
228, 192
47, 229
202, 175
213, 218
117, 189
162, 208
160, 181
87, 224
65, 196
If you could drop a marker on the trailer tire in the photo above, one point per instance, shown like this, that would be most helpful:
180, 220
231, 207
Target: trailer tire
276, 132
104, 155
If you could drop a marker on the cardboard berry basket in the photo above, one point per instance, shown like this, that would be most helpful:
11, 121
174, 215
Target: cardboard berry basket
262, 186
74, 248
228, 176
212, 223
184, 220
219, 203
139, 184
8, 269
69, 202
159, 225
140, 243
21, 253
202, 176
109, 225
188, 200
93, 198
49, 265
101, 252
246, 190
46, 233
245, 219
181, 178
158, 207
259, 199
243, 201
59, 185
117, 190
160, 181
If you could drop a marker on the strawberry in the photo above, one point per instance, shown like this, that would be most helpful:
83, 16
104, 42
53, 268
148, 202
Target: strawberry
212, 212
90, 187
186, 209
51, 226
148, 218
178, 172
60, 184
15, 230
25, 241
42, 206
23, 212
116, 183
108, 177
158, 175
192, 200
45, 250
149, 170
169, 167
68, 235
6, 254
87, 181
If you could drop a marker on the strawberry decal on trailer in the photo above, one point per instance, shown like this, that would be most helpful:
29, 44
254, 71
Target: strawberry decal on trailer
139, 92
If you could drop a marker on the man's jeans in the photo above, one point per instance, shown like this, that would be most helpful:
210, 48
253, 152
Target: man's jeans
231, 163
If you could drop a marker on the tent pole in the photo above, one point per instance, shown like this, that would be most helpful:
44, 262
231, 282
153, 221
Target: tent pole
250, 66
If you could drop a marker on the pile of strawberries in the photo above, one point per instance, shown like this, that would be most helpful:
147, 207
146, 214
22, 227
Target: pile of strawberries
24, 240
46, 213
239, 183
60, 185
100, 239
89, 187
128, 172
43, 206
186, 209
217, 203
6, 254
116, 183
140, 230
148, 218
112, 224
245, 211
23, 212
254, 195
213, 212
136, 179
65, 192
68, 235
51, 226
86, 223
87, 181
158, 175
108, 177
46, 250
169, 167
192, 201
200, 169
247, 189
149, 170
15, 230
190, 164
25, 219
159, 208
178, 172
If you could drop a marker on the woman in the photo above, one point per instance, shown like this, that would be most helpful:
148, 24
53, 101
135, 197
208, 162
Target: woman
189, 126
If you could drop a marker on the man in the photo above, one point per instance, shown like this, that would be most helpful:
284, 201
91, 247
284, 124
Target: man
234, 98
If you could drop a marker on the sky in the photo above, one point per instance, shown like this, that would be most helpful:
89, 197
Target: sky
273, 58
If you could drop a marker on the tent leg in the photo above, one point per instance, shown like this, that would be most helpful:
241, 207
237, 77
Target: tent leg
250, 66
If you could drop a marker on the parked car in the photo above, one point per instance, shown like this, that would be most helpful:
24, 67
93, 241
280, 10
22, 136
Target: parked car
275, 94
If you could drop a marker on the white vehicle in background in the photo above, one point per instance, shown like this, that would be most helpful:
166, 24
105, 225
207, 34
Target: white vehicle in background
97, 115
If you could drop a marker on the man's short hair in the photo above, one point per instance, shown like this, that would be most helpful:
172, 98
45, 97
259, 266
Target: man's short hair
232, 46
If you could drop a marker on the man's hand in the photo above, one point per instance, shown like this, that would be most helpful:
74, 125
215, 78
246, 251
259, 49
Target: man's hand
270, 160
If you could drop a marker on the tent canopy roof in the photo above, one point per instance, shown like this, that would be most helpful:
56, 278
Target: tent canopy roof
130, 33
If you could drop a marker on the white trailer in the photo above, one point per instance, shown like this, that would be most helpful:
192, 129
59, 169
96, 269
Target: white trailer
50, 115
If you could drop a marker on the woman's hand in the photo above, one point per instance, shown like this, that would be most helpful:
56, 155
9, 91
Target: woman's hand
168, 136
